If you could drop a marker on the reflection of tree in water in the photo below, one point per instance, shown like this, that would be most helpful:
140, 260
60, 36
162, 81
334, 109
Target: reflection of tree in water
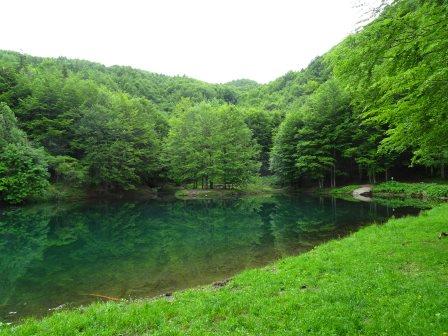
297, 228
55, 255
132, 249
215, 233
23, 240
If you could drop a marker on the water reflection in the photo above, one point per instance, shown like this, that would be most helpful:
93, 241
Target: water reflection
52, 255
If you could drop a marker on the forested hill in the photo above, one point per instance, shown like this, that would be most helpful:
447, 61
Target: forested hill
165, 91
370, 108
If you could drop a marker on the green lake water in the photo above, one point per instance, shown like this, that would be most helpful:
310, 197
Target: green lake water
69, 255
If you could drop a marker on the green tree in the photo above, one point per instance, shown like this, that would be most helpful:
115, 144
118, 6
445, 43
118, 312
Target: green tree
396, 70
263, 125
209, 144
23, 169
283, 155
312, 141
238, 152
119, 143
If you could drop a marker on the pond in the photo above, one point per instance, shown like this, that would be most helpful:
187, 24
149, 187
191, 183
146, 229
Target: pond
70, 255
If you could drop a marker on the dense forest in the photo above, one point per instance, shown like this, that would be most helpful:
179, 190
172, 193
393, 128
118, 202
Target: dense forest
372, 108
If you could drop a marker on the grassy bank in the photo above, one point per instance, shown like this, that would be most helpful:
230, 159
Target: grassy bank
342, 191
383, 280
399, 189
420, 190
257, 186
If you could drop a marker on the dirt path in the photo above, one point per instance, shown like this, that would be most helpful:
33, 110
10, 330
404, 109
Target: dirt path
363, 193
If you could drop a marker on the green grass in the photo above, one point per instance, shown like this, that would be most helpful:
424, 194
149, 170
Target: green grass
387, 279
348, 189
205, 193
422, 190
262, 185
396, 194
400, 189
257, 186
420, 203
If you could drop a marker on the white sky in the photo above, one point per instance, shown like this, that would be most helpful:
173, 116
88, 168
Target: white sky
211, 40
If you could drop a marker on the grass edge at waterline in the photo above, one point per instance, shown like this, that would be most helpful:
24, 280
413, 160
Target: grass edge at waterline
384, 279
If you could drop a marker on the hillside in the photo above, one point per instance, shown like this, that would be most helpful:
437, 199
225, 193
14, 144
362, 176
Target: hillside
372, 108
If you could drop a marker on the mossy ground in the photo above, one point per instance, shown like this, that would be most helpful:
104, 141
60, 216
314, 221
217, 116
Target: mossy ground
389, 279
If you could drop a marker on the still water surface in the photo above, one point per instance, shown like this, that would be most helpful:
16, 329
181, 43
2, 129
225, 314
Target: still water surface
52, 255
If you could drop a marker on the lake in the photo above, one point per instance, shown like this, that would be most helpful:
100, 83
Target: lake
63, 255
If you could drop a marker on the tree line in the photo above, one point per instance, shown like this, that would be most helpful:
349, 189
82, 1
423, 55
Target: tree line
371, 108
376, 105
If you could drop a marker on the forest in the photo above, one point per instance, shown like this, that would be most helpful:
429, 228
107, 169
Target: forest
371, 109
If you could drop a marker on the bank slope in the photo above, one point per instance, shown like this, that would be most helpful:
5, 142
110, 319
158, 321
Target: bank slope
390, 279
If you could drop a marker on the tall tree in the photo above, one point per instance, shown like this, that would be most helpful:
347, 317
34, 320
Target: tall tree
396, 70
119, 143
263, 125
209, 144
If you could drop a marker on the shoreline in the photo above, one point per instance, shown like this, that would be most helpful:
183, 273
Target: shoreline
405, 258
393, 189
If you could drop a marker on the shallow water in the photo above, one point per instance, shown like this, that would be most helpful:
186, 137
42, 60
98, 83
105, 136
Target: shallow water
70, 255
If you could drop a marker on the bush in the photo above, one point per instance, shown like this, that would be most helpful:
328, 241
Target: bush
23, 172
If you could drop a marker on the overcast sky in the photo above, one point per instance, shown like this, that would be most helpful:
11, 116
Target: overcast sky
211, 40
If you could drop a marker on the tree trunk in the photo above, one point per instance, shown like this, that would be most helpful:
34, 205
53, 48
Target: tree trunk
333, 178
442, 171
386, 174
